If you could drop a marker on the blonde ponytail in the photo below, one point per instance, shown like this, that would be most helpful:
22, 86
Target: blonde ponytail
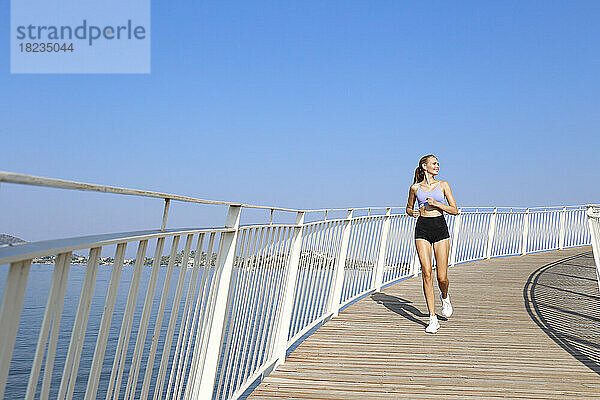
420, 172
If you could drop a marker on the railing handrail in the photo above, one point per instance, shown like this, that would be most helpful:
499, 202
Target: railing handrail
24, 251
27, 251
33, 180
14, 253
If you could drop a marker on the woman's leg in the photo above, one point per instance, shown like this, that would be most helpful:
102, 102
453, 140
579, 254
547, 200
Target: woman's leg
441, 249
424, 252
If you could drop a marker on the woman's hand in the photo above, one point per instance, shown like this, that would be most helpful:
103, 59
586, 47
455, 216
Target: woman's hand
416, 213
432, 202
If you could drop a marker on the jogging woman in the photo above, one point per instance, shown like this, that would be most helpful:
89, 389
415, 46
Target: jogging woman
431, 231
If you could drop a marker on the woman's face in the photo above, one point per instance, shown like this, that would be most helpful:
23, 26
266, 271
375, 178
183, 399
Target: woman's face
432, 166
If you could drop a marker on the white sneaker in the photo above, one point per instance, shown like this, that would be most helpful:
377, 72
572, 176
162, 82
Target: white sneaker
446, 306
434, 325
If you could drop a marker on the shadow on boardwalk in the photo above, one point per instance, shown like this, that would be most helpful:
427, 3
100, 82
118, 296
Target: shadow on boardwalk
403, 307
562, 298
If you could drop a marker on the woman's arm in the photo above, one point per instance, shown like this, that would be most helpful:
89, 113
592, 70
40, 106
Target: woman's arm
451, 207
411, 202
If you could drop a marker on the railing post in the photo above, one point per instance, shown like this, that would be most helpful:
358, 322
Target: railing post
593, 216
333, 306
491, 231
380, 264
561, 229
414, 265
224, 266
10, 315
165, 215
455, 230
525, 232
289, 291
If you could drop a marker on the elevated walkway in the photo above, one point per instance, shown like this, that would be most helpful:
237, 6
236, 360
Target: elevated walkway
145, 327
524, 327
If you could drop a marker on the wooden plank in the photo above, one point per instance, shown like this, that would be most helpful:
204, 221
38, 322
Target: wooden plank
505, 338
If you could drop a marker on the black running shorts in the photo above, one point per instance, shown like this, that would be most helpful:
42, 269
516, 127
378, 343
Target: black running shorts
432, 229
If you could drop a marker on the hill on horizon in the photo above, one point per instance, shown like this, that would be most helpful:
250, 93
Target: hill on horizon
8, 240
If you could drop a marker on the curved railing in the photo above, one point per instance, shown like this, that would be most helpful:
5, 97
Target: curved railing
593, 213
221, 307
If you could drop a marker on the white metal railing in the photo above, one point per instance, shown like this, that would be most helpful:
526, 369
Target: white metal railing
232, 300
593, 214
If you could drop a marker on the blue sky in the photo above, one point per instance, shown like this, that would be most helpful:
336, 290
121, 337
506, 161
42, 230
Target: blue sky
314, 104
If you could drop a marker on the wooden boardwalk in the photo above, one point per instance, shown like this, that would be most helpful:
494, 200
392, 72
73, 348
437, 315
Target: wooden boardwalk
523, 327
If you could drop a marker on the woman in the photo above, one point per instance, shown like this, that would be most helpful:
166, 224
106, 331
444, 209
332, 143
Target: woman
431, 230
